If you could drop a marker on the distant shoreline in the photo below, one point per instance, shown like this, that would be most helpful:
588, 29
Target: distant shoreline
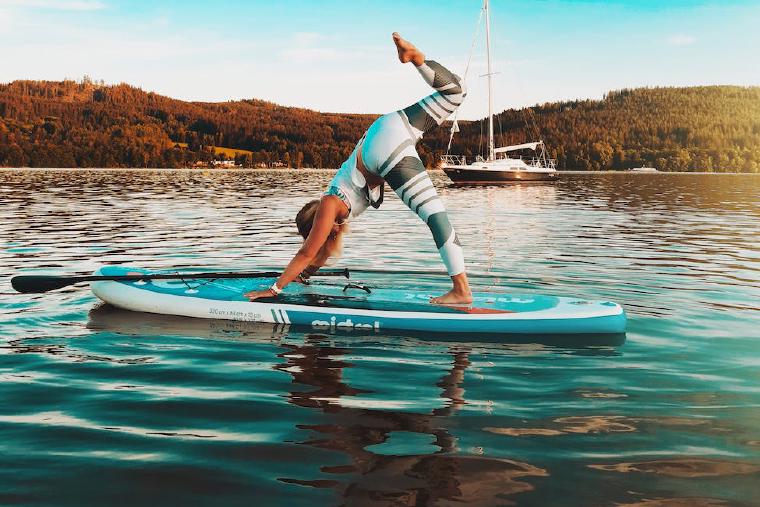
70, 124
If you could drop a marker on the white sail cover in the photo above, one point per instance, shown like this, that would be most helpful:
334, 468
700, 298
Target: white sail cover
515, 147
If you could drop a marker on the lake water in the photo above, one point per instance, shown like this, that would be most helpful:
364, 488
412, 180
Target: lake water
107, 407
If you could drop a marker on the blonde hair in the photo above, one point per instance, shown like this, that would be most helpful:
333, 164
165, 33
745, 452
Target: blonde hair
333, 247
305, 218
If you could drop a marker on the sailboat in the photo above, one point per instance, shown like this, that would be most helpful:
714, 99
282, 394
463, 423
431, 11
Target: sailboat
503, 164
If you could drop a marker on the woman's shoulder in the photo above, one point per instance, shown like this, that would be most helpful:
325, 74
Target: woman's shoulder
335, 200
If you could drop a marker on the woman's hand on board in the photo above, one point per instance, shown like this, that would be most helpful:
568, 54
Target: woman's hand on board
256, 294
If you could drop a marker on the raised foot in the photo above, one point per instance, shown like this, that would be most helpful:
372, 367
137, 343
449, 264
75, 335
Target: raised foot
453, 298
408, 52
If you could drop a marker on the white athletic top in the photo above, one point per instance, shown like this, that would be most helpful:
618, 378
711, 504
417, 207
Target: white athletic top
350, 185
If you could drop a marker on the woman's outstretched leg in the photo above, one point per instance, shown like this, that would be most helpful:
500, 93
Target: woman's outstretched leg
388, 151
409, 179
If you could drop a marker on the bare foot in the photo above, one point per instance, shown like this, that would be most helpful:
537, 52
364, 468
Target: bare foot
453, 297
407, 52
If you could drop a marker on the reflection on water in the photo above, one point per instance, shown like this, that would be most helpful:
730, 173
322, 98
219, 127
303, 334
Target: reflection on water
180, 411
408, 479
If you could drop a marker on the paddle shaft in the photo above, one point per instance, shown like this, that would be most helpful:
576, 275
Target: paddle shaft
45, 283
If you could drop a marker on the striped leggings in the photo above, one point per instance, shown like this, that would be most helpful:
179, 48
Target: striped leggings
388, 151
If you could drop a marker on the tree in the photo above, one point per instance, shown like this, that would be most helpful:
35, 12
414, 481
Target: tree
15, 156
602, 153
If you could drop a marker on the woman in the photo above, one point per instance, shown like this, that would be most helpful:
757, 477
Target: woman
386, 153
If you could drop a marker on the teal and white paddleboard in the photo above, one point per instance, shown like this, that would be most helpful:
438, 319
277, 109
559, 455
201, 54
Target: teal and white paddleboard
341, 306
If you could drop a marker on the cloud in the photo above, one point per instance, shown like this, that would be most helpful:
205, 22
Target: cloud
60, 5
681, 40
5, 20
313, 47
310, 55
307, 38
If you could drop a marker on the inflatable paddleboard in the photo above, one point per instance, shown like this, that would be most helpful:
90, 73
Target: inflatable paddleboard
350, 306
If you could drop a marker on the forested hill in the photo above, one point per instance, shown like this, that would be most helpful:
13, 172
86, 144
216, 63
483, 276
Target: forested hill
86, 124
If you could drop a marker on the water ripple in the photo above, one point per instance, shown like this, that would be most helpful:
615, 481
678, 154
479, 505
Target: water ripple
177, 411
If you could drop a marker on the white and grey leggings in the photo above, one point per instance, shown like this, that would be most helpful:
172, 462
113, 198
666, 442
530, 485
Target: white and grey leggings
388, 151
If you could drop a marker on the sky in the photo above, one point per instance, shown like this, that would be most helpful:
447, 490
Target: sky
338, 56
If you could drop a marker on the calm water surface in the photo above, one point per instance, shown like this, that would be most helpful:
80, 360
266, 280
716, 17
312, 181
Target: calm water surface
106, 407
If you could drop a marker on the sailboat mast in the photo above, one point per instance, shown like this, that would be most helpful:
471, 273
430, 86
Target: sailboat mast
491, 154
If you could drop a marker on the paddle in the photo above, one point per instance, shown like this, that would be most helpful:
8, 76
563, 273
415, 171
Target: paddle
43, 283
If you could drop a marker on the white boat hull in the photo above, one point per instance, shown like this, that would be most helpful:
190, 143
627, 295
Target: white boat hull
484, 175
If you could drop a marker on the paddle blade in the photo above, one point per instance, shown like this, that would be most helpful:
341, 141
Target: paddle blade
28, 284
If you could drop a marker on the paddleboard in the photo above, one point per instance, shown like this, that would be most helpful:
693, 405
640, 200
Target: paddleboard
346, 306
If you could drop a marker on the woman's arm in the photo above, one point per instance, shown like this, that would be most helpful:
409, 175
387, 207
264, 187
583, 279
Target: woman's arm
329, 208
317, 262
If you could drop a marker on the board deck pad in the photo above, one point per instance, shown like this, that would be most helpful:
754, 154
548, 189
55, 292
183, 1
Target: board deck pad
330, 304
